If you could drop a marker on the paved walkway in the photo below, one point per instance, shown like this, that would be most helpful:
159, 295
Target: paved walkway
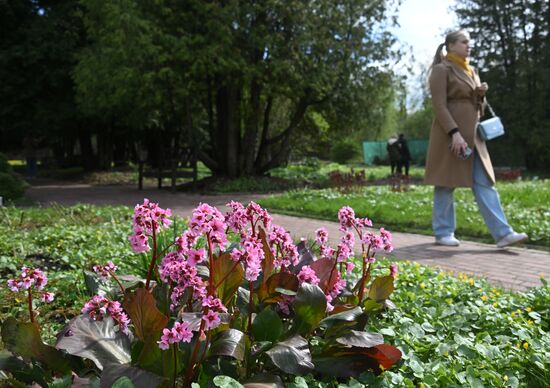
512, 268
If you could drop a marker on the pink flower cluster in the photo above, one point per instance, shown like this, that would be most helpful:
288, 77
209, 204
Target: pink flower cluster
99, 306
175, 268
284, 249
393, 270
214, 307
148, 217
31, 277
346, 216
104, 271
240, 218
207, 220
308, 275
335, 291
180, 332
375, 243
251, 255
244, 220
189, 290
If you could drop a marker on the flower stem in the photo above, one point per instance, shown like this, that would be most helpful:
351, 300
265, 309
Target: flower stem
31, 313
191, 366
175, 355
153, 259
249, 328
211, 286
363, 276
118, 281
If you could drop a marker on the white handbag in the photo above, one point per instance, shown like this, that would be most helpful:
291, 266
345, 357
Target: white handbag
490, 128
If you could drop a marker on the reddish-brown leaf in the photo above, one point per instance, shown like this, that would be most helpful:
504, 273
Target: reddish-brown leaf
146, 317
227, 275
385, 354
325, 271
269, 292
267, 262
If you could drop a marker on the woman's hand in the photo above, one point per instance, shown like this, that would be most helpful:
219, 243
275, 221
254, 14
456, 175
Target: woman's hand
482, 89
458, 144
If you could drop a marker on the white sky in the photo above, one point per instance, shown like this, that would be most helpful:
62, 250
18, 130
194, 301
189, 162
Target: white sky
422, 24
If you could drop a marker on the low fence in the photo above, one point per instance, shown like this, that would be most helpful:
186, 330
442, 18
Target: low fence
374, 152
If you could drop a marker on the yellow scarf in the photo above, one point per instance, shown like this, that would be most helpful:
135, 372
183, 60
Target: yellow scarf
461, 62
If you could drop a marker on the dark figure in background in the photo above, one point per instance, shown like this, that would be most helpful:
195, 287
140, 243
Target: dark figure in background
30, 146
405, 155
394, 154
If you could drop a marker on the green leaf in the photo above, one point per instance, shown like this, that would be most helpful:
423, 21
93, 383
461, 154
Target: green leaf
139, 378
62, 382
23, 339
229, 343
381, 288
243, 298
227, 275
21, 370
361, 339
292, 356
99, 341
264, 380
347, 316
371, 306
123, 382
226, 382
267, 326
309, 308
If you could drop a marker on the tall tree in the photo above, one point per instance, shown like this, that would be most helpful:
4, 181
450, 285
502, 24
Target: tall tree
512, 41
39, 40
238, 77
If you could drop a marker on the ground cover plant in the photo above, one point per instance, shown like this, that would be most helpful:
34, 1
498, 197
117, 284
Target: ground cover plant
526, 205
453, 330
261, 309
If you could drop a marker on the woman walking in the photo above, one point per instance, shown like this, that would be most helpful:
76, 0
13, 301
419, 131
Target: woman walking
457, 157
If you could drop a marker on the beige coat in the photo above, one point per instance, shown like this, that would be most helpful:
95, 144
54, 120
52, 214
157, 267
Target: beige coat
456, 105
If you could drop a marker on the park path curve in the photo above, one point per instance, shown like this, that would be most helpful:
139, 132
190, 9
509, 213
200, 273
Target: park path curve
513, 268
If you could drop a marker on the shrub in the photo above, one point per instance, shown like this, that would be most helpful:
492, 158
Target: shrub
4, 165
11, 186
344, 151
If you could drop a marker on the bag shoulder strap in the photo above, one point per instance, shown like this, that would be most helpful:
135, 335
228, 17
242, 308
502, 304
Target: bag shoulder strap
490, 108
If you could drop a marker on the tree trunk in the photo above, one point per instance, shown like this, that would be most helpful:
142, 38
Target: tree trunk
228, 104
249, 146
85, 140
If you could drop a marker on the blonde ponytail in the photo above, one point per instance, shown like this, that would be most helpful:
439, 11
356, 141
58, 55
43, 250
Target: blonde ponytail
451, 37
438, 57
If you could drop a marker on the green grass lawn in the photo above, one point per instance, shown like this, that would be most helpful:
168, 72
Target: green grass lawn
454, 331
526, 204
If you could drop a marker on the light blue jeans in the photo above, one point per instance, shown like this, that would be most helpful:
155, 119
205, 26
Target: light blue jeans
488, 201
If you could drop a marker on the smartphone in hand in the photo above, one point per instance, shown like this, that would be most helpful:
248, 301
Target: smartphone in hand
466, 153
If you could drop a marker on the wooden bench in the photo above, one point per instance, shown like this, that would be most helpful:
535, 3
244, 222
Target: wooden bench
169, 166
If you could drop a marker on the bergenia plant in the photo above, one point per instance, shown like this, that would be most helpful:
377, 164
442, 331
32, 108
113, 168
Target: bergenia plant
234, 295
26, 357
31, 281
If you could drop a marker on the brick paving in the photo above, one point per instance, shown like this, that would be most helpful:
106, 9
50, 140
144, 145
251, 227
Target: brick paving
512, 268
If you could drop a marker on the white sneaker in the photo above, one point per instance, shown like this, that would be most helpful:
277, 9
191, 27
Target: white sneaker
511, 239
449, 241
